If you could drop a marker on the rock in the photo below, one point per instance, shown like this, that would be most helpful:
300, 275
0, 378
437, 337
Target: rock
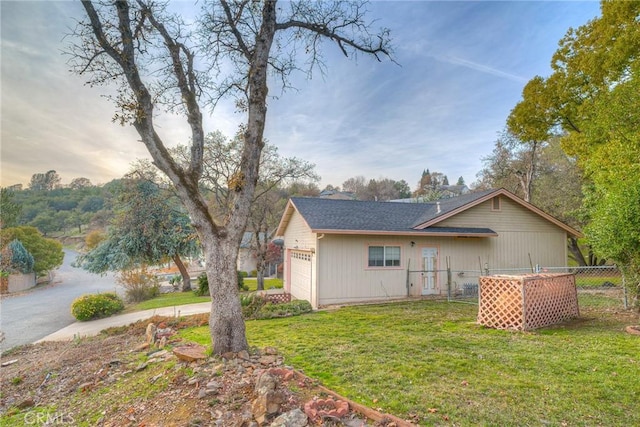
157, 353
9, 363
282, 373
294, 418
328, 407
265, 383
212, 387
190, 353
164, 333
150, 334
633, 330
271, 351
266, 404
228, 355
142, 346
85, 386
27, 403
141, 366
355, 422
268, 360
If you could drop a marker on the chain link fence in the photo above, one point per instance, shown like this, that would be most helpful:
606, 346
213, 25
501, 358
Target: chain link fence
599, 287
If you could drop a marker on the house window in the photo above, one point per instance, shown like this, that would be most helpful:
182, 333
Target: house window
384, 256
495, 203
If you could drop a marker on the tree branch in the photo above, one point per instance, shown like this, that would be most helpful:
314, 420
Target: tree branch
341, 41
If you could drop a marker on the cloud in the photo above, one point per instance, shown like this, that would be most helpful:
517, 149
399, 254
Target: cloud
450, 59
462, 68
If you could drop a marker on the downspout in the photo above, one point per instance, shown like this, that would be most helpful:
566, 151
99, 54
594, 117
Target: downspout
408, 269
314, 259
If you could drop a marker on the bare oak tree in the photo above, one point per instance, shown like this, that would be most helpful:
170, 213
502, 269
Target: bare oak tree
161, 62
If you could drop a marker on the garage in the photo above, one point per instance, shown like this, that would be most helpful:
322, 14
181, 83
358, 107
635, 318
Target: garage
300, 274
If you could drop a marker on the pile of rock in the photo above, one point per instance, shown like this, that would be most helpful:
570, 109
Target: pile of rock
258, 386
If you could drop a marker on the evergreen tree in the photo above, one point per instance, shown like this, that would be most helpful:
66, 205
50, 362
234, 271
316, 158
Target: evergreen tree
21, 259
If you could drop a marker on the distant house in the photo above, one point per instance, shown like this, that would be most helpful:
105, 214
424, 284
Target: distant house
449, 191
442, 192
343, 251
337, 195
247, 260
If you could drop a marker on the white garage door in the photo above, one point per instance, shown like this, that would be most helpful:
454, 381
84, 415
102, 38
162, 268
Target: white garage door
300, 274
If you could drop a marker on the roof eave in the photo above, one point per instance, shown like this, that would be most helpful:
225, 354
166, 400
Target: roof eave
286, 216
403, 233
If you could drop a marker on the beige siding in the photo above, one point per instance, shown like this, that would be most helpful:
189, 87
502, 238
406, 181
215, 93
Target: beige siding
344, 276
298, 235
523, 237
511, 217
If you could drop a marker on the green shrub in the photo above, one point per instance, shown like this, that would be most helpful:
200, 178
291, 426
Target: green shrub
175, 281
244, 274
203, 284
140, 284
251, 305
253, 273
293, 308
241, 284
89, 307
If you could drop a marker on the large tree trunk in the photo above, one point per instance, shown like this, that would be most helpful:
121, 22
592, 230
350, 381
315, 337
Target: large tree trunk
226, 323
574, 248
186, 278
260, 276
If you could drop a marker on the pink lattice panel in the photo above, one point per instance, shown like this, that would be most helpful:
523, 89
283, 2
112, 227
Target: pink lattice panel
278, 298
527, 302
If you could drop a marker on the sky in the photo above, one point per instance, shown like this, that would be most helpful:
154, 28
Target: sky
460, 69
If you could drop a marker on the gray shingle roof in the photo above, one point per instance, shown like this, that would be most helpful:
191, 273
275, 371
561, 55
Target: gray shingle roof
343, 215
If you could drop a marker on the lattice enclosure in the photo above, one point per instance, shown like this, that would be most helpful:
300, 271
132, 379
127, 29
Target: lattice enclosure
527, 302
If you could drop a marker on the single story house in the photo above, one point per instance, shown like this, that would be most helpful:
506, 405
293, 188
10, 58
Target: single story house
346, 251
247, 260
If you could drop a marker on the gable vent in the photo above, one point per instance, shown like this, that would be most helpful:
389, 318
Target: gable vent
495, 203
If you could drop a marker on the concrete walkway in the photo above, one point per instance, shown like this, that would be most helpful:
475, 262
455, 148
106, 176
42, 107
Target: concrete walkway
94, 327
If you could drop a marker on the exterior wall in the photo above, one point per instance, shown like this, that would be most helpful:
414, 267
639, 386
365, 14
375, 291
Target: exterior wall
343, 274
521, 234
246, 260
298, 235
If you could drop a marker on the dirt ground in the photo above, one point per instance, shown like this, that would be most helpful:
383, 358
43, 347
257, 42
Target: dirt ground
110, 380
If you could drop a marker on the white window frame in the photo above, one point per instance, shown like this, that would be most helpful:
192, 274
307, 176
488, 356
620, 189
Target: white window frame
388, 260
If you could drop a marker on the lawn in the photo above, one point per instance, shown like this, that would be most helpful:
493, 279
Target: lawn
430, 362
271, 283
167, 300
181, 298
